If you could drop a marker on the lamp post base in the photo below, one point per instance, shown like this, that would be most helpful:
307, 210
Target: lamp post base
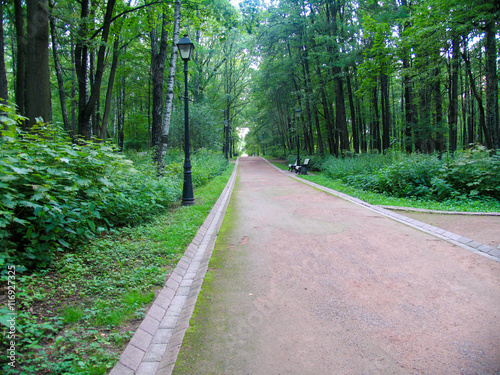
188, 201
187, 188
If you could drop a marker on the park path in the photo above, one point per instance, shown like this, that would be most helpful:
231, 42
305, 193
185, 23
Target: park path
303, 282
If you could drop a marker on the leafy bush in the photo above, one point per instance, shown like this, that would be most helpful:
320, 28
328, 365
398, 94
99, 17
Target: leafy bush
471, 174
206, 164
359, 164
411, 177
56, 193
474, 173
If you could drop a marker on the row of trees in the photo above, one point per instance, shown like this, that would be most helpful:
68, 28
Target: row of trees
413, 75
108, 69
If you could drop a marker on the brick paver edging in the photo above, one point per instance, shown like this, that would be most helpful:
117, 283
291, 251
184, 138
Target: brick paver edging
155, 345
464, 242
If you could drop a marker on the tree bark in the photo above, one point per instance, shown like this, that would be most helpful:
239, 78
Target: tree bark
453, 117
109, 91
492, 122
438, 109
4, 91
21, 57
169, 100
326, 109
479, 99
158, 56
38, 103
81, 66
308, 96
86, 108
354, 123
121, 115
386, 112
375, 123
58, 69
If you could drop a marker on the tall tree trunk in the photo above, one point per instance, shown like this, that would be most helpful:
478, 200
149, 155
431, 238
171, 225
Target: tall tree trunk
38, 103
86, 108
81, 66
438, 109
333, 11
375, 128
109, 91
158, 56
386, 112
4, 91
354, 123
58, 69
121, 115
470, 117
479, 99
409, 106
326, 109
453, 116
307, 97
21, 58
74, 87
340, 114
169, 100
492, 122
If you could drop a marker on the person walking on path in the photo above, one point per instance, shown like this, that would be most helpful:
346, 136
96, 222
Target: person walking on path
302, 282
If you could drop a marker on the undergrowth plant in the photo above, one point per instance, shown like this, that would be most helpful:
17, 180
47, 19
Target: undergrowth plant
472, 174
56, 193
76, 316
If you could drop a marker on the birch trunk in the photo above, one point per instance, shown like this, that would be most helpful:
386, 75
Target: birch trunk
162, 148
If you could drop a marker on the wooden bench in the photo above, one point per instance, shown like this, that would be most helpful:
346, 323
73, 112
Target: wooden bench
302, 169
299, 169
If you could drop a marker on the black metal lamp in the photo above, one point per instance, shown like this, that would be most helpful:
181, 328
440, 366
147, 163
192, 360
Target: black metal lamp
186, 48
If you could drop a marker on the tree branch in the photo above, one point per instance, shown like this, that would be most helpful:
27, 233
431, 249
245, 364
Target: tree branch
124, 13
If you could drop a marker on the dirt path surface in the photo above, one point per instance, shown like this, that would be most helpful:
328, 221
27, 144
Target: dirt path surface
484, 229
302, 282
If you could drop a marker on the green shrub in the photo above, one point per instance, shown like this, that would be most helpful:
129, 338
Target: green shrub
55, 194
206, 164
335, 167
471, 174
411, 177
474, 173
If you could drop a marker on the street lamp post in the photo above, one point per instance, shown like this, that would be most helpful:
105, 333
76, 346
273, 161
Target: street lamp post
297, 115
186, 48
226, 135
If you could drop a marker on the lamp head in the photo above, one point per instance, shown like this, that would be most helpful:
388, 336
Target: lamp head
186, 48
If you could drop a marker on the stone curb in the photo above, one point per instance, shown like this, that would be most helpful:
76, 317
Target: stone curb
155, 345
456, 239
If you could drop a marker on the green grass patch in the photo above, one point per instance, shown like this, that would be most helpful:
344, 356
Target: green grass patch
336, 181
205, 310
491, 205
76, 316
